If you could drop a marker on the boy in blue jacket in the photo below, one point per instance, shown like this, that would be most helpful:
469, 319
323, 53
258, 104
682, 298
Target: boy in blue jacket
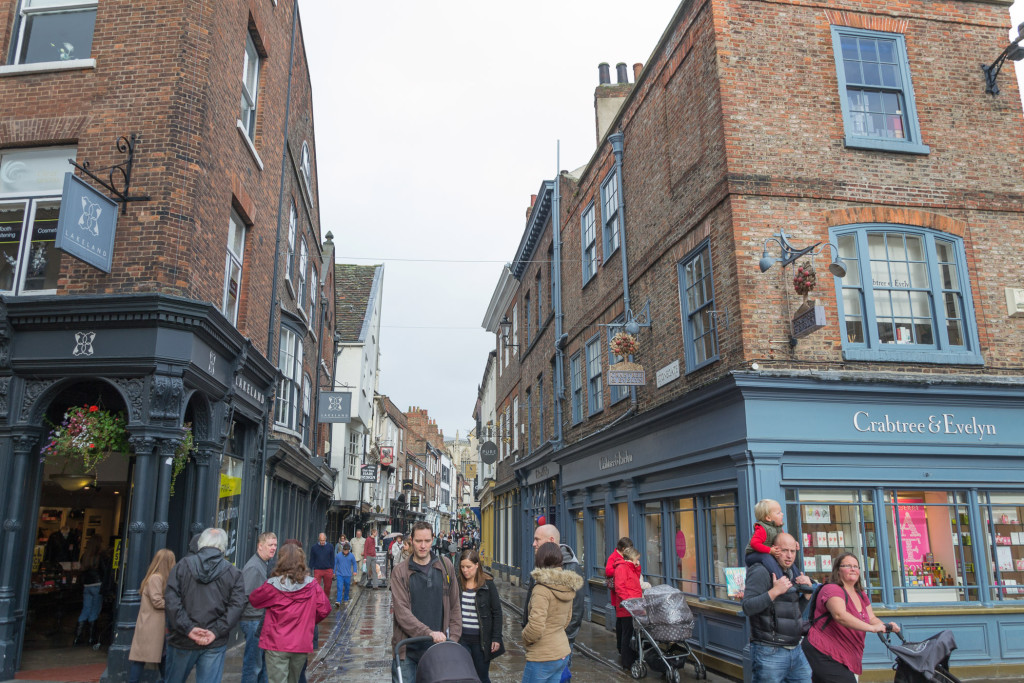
344, 568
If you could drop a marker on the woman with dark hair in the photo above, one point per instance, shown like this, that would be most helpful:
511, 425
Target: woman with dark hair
481, 614
92, 580
148, 639
294, 604
548, 612
834, 646
609, 577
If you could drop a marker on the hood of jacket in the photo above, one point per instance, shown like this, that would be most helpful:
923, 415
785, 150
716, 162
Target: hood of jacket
568, 556
210, 564
286, 585
562, 583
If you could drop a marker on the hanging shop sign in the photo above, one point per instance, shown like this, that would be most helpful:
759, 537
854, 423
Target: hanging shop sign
407, 484
387, 455
368, 474
627, 375
414, 500
489, 452
807, 320
86, 226
334, 406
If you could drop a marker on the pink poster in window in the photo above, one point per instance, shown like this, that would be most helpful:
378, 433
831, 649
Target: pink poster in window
913, 529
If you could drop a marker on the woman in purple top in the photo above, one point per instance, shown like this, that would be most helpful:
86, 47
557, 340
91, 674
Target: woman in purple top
834, 646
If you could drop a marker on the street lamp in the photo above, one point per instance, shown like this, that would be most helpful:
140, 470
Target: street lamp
789, 253
1014, 52
506, 328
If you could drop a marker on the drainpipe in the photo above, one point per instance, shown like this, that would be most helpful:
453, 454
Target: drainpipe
616, 139
556, 276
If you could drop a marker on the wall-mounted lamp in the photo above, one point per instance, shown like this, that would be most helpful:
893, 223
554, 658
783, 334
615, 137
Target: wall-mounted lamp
506, 329
1014, 52
788, 253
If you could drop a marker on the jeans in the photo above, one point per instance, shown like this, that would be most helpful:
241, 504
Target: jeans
408, 669
371, 571
208, 663
135, 670
481, 661
545, 672
324, 577
344, 587
773, 664
254, 666
91, 603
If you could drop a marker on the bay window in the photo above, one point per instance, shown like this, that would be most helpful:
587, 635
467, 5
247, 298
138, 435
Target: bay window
286, 406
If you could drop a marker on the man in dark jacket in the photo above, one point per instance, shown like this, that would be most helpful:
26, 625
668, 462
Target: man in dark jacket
548, 533
204, 600
775, 608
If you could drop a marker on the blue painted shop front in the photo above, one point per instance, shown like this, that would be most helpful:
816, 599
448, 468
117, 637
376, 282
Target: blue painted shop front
923, 482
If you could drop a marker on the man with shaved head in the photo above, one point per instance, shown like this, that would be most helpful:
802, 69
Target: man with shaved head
548, 533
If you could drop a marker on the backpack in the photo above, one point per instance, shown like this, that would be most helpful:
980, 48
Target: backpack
810, 619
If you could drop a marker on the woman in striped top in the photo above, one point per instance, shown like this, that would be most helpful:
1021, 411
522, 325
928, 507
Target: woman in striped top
481, 614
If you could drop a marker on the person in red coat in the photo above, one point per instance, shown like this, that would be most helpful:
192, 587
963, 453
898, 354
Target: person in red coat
609, 574
370, 557
294, 604
627, 585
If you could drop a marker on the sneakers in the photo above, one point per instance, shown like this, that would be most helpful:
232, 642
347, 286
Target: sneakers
337, 605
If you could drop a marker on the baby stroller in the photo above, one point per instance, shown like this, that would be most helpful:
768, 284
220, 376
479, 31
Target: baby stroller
662, 623
446, 662
923, 662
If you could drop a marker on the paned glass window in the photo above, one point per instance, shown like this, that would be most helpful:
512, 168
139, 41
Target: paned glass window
233, 268
527, 313
654, 564
580, 537
300, 274
876, 95
229, 502
588, 233
306, 167
250, 87
685, 571
289, 362
293, 224
595, 388
305, 430
1002, 516
355, 455
514, 422
599, 544
54, 31
697, 297
576, 386
540, 409
610, 214
314, 283
906, 296
720, 515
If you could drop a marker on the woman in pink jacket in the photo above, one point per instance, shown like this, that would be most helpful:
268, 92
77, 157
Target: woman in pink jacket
627, 585
294, 603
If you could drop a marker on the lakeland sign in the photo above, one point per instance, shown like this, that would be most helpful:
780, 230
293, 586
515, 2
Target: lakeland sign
617, 460
945, 423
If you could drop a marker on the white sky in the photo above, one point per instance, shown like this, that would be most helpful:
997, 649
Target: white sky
435, 122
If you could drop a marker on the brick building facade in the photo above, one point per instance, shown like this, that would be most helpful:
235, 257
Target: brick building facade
853, 136
215, 314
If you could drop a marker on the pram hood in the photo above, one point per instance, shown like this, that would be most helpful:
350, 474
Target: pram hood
446, 662
924, 656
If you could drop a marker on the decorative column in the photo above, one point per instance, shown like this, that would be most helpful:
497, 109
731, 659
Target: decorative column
165, 451
202, 515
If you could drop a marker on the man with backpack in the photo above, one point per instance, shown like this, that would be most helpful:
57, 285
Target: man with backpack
775, 606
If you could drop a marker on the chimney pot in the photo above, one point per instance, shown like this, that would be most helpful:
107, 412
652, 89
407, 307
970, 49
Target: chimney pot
637, 69
620, 73
604, 76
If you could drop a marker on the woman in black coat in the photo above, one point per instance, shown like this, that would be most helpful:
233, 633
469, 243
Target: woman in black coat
481, 614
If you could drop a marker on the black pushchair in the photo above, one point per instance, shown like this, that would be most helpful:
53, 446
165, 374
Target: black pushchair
923, 662
662, 623
446, 662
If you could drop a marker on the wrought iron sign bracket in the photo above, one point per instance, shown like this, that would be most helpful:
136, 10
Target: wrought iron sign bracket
118, 175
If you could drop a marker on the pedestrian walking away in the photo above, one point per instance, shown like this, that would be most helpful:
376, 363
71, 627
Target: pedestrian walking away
254, 575
609, 574
358, 548
321, 561
547, 614
294, 604
627, 585
481, 614
548, 533
204, 600
344, 568
370, 559
425, 600
91, 579
148, 639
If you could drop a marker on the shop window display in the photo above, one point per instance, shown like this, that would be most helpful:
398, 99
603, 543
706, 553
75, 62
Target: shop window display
229, 501
720, 516
599, 544
1003, 516
581, 545
685, 552
654, 566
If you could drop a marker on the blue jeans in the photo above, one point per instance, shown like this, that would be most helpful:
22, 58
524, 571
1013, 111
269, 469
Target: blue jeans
208, 663
545, 672
254, 667
408, 668
91, 603
344, 586
772, 664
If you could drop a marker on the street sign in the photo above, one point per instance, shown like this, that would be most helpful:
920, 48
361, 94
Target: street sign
86, 225
334, 406
811, 320
387, 455
626, 378
489, 452
368, 474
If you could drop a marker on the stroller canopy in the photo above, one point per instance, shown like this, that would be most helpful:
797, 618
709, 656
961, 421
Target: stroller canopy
446, 662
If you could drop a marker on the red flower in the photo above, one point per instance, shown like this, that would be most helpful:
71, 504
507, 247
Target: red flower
93, 409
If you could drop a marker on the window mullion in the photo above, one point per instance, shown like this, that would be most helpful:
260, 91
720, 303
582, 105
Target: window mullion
871, 339
936, 292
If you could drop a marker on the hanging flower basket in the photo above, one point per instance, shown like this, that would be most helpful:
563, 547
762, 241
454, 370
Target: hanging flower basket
185, 447
624, 344
85, 437
805, 279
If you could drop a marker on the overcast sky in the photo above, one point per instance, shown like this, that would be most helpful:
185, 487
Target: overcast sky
435, 122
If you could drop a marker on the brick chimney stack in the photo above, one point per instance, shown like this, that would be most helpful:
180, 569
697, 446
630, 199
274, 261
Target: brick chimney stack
608, 97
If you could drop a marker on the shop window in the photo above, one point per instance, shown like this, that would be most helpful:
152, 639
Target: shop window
229, 501
31, 182
1003, 516
697, 298
876, 94
610, 214
54, 31
599, 544
595, 387
828, 523
685, 572
720, 521
580, 537
588, 241
233, 268
576, 384
289, 361
250, 87
615, 392
929, 555
906, 296
654, 564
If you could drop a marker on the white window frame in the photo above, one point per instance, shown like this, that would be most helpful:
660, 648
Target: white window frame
251, 64
289, 362
293, 225
306, 428
610, 233
515, 423
595, 377
576, 386
234, 258
306, 169
314, 280
300, 274
25, 13
588, 244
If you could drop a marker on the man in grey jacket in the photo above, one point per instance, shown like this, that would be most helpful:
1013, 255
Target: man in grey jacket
203, 601
254, 575
548, 533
